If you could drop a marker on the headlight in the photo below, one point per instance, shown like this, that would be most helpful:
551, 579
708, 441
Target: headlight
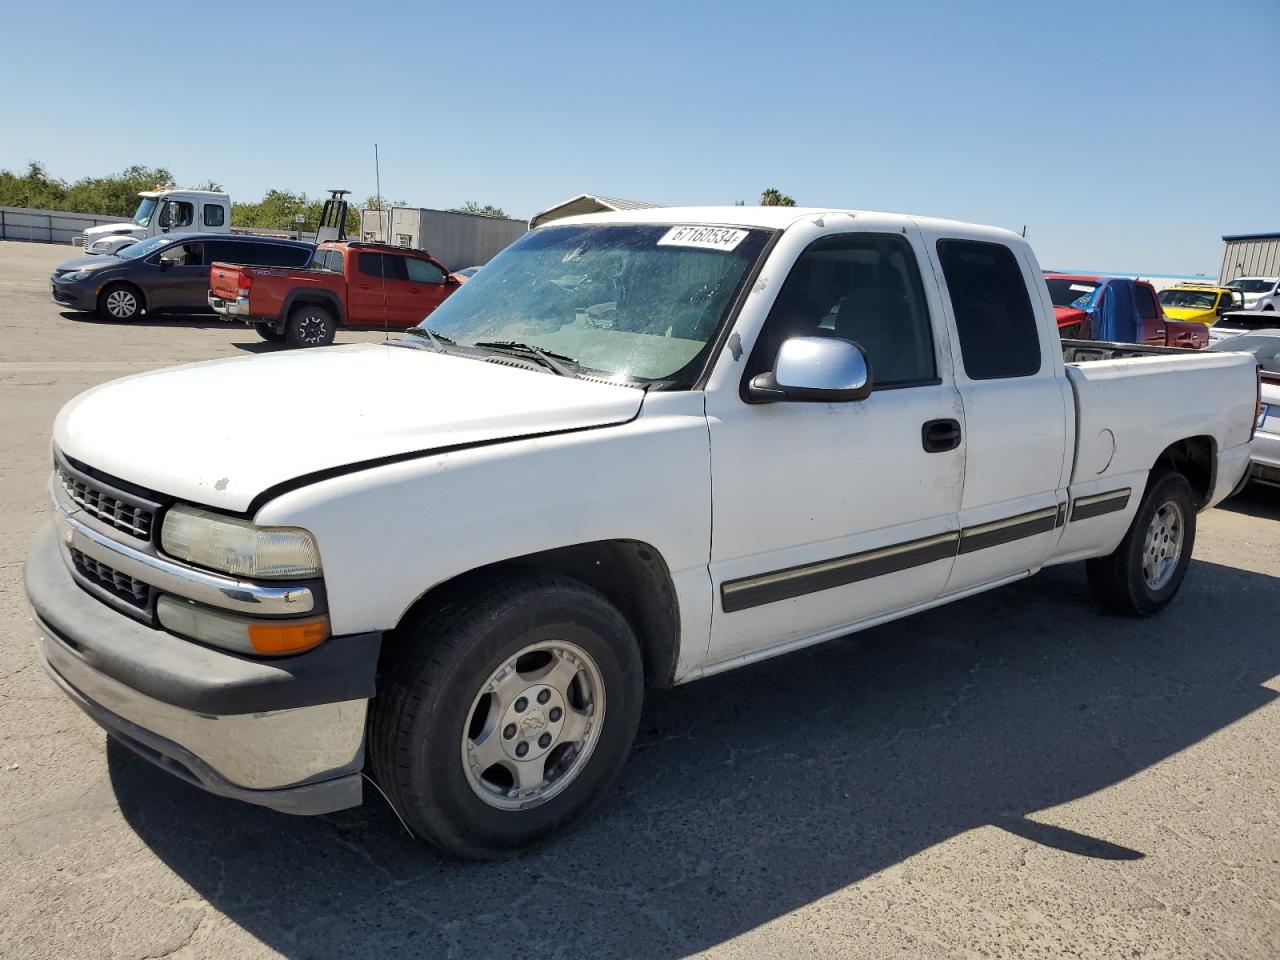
237, 546
76, 275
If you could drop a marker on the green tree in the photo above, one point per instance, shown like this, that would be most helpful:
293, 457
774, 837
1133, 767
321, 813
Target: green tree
483, 209
278, 210
772, 198
114, 195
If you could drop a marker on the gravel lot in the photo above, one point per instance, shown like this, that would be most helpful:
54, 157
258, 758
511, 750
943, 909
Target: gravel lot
1014, 775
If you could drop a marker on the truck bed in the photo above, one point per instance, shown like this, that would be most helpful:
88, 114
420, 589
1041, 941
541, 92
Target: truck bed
1132, 401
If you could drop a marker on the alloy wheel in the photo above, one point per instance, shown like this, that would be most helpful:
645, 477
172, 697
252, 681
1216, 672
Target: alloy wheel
533, 726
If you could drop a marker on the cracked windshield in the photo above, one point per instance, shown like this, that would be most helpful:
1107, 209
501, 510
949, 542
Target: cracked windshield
631, 301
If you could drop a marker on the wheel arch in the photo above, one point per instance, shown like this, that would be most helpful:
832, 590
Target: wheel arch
132, 285
1196, 459
632, 574
319, 298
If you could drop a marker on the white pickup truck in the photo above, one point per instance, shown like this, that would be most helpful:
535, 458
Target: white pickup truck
636, 449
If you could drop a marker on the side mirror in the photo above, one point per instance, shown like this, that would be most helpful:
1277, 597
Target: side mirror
815, 370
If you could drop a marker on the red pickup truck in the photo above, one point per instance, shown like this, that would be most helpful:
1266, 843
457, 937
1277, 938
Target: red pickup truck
1157, 330
346, 284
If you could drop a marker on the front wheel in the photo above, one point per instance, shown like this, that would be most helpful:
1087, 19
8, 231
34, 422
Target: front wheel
506, 713
1144, 573
310, 325
119, 301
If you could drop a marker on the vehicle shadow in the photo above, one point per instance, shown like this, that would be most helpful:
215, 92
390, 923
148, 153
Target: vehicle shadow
1259, 500
190, 320
751, 794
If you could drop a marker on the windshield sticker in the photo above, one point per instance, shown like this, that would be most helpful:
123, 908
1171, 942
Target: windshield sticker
1082, 288
705, 238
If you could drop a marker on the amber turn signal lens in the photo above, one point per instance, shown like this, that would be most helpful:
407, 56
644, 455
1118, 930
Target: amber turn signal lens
288, 636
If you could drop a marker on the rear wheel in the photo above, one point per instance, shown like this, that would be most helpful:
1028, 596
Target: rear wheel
505, 714
1146, 570
269, 333
310, 325
119, 301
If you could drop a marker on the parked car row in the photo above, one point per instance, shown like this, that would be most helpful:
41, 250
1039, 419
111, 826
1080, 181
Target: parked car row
290, 291
163, 274
1072, 296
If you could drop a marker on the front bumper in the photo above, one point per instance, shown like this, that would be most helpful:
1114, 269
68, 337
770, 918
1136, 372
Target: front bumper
286, 734
1265, 459
72, 295
238, 307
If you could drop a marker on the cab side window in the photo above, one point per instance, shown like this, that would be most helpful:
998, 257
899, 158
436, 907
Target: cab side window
178, 213
862, 287
997, 327
214, 215
388, 266
424, 271
1146, 302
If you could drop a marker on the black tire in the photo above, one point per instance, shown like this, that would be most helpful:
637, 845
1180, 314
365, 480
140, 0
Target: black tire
310, 325
269, 333
1269, 309
1118, 581
120, 302
432, 693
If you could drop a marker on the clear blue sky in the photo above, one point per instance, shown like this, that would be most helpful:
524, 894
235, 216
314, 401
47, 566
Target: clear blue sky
1125, 135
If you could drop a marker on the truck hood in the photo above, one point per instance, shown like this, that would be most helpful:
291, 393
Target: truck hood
1192, 314
220, 433
110, 229
1066, 316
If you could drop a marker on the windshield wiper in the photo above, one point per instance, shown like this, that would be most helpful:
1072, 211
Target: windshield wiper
437, 339
555, 362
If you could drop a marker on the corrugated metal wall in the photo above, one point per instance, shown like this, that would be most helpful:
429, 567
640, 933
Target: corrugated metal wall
47, 226
457, 240
1259, 257
466, 240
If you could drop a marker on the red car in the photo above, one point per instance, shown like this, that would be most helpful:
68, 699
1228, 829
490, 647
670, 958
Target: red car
348, 283
1065, 289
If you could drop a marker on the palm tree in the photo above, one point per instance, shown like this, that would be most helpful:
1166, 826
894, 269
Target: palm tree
772, 198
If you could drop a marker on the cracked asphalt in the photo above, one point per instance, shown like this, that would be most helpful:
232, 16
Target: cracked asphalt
1014, 775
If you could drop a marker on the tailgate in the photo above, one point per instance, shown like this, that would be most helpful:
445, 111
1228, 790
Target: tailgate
223, 280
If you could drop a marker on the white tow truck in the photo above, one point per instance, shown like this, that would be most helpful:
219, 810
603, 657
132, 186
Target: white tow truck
159, 212
636, 449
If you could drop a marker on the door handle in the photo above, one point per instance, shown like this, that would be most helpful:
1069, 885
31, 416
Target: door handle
939, 436
365, 286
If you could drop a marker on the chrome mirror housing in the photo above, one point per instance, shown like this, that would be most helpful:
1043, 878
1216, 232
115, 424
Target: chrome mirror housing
814, 369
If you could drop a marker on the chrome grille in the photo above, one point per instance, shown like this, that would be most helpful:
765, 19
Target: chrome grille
118, 584
106, 505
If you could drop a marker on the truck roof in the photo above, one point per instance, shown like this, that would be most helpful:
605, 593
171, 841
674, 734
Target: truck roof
776, 218
194, 193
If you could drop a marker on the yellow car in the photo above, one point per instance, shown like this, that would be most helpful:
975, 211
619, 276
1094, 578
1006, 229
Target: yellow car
1199, 303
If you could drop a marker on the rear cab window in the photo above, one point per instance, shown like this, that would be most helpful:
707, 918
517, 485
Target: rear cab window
1146, 301
999, 337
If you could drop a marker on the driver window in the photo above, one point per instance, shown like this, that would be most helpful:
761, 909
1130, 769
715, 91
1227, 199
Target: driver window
189, 254
860, 287
423, 271
176, 213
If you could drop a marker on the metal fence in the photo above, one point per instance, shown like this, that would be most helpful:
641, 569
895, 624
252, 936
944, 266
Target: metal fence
47, 226
55, 226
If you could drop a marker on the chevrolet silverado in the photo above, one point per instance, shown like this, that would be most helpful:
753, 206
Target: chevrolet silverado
638, 448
